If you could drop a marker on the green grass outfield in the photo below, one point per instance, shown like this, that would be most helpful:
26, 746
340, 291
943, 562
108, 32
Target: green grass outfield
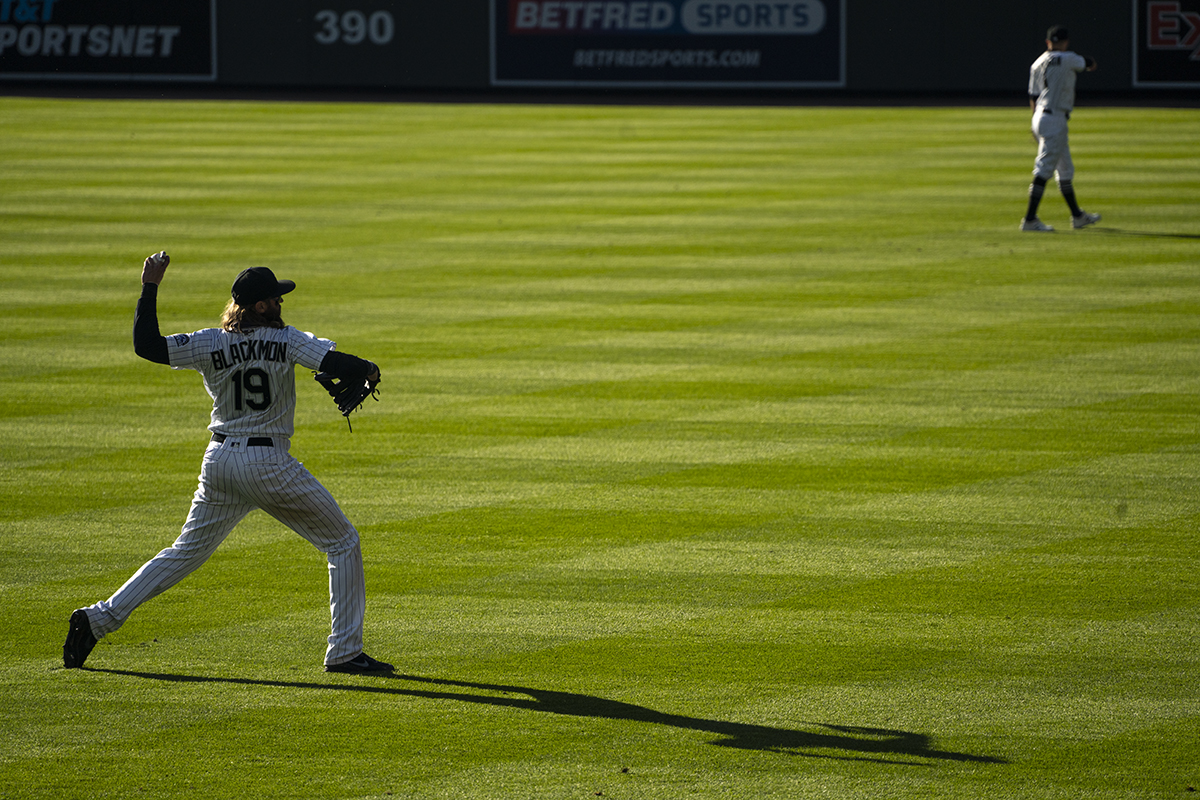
722, 453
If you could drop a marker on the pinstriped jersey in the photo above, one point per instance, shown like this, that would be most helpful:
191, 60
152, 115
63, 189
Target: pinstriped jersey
251, 377
1052, 79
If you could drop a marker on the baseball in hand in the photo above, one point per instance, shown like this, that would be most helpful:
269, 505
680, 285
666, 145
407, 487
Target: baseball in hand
155, 267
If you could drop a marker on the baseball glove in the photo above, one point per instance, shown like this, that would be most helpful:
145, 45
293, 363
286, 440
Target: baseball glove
347, 394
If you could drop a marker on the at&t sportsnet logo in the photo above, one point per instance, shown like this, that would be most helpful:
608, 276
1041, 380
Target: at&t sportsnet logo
691, 17
31, 39
94, 38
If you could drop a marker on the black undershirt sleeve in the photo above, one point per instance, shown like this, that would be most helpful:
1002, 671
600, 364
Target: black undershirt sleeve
147, 342
344, 365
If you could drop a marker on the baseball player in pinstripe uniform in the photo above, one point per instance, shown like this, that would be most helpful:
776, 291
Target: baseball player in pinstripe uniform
248, 365
1051, 99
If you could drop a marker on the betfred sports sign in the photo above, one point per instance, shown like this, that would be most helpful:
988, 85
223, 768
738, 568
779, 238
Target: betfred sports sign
1166, 47
640, 16
117, 40
668, 42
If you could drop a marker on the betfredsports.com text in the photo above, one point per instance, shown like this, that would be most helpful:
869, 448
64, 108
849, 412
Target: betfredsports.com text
668, 59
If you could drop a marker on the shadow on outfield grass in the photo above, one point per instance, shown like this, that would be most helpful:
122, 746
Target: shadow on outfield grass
858, 743
1125, 232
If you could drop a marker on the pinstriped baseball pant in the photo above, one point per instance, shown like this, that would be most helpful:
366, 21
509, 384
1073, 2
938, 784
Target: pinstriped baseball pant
1054, 148
235, 480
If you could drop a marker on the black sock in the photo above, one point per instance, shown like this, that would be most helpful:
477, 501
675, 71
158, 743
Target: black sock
1068, 193
1036, 189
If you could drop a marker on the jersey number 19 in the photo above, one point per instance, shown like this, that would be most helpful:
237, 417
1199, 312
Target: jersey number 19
253, 386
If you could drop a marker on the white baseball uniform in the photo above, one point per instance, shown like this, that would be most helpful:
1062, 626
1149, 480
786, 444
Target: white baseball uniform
1052, 82
251, 378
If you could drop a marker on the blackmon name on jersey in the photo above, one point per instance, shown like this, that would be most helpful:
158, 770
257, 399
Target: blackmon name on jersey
239, 352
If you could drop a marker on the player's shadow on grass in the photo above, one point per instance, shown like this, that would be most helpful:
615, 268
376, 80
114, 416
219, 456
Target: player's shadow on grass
1125, 232
844, 742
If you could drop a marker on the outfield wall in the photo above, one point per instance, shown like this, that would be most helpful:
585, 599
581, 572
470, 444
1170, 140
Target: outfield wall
831, 46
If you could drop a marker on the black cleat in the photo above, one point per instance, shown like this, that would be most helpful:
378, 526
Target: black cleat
80, 641
360, 664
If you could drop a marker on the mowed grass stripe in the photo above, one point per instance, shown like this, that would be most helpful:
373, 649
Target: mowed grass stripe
751, 450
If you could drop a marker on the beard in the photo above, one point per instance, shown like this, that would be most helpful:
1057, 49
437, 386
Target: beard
251, 319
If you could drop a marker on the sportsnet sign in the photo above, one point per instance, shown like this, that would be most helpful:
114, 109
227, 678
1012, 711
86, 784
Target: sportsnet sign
668, 42
117, 40
1166, 48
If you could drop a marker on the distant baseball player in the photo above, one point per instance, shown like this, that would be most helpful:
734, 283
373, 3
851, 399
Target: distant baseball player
1051, 98
248, 365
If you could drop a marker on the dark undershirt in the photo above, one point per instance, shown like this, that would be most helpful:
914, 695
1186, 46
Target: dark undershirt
147, 341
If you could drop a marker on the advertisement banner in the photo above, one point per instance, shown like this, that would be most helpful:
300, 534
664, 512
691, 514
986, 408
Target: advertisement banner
1166, 43
769, 43
108, 39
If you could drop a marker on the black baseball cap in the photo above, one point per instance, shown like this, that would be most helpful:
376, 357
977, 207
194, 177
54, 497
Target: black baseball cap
1057, 33
258, 283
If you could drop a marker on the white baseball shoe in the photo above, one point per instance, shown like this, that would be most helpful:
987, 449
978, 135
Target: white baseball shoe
1035, 224
1084, 219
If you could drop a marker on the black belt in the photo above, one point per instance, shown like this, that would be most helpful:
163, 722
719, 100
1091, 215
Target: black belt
256, 441
1066, 114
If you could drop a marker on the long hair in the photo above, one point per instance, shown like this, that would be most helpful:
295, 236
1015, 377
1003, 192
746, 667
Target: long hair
243, 319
